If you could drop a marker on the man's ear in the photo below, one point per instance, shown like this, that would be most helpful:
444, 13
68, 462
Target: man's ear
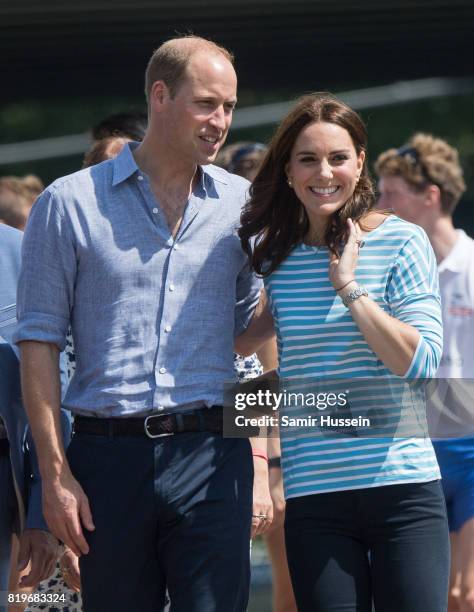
433, 197
159, 94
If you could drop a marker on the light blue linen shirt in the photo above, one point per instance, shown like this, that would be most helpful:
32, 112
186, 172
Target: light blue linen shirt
153, 317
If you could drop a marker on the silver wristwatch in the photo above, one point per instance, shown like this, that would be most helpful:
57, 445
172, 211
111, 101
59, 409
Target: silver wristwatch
354, 295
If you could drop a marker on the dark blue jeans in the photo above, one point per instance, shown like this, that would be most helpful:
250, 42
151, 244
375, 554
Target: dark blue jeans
387, 544
174, 512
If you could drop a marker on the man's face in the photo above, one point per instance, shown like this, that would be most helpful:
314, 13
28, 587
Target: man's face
198, 118
396, 194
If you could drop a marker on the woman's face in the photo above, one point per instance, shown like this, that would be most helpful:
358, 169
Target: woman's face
324, 169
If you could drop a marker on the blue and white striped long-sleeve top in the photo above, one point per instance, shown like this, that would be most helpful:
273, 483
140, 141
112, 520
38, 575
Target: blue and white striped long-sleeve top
318, 340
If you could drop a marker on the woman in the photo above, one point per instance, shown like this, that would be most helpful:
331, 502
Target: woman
365, 516
423, 182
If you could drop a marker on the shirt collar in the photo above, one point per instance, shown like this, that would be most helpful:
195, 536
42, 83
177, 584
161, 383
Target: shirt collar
214, 173
125, 166
456, 259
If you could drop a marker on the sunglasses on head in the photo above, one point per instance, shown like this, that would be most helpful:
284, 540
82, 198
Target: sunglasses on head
410, 153
239, 155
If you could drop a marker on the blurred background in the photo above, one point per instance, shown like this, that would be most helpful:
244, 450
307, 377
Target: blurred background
406, 65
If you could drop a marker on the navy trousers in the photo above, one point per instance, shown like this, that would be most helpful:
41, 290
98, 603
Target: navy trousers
389, 545
171, 513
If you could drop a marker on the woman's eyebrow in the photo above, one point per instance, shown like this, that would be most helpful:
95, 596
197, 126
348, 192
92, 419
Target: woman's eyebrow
331, 152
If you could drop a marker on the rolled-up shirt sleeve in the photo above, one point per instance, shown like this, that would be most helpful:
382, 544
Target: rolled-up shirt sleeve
413, 296
48, 272
248, 294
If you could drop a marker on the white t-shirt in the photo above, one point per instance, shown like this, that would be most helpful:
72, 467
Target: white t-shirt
456, 279
452, 407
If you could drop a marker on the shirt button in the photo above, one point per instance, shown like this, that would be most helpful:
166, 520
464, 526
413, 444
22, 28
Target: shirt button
155, 210
167, 328
162, 370
171, 287
140, 177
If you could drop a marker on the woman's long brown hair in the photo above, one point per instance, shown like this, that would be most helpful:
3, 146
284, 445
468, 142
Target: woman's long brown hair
274, 216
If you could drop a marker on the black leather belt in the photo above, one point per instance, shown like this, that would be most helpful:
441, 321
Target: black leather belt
154, 425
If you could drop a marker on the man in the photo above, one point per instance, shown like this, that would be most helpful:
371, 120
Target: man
20, 501
422, 182
141, 256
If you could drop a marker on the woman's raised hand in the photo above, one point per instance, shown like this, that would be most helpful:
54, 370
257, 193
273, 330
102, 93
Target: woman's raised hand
342, 269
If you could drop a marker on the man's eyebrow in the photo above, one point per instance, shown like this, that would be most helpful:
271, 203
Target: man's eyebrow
212, 98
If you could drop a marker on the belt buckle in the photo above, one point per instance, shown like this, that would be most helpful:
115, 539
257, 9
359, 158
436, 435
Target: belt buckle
161, 435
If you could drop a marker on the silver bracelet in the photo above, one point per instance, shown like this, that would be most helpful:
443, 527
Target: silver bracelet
354, 295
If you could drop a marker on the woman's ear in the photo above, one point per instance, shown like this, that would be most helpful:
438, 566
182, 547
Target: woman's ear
360, 162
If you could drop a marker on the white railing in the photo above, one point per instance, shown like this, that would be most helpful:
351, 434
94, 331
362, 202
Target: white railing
253, 116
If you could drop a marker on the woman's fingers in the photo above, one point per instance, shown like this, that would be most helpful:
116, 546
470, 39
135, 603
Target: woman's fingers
353, 234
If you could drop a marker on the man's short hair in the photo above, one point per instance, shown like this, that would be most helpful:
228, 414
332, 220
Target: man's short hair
426, 160
168, 63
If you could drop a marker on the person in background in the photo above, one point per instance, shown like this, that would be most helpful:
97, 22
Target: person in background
128, 124
353, 293
112, 133
107, 148
17, 195
242, 158
20, 486
422, 182
245, 159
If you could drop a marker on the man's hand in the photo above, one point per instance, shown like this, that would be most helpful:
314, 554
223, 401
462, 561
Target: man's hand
65, 505
66, 509
69, 564
40, 549
262, 502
